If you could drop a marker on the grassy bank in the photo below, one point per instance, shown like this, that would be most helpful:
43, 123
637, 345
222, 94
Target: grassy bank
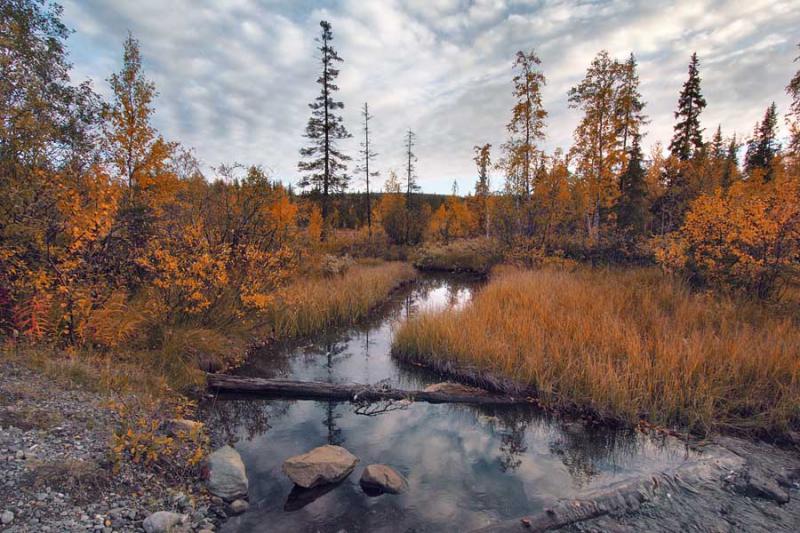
464, 255
624, 344
313, 304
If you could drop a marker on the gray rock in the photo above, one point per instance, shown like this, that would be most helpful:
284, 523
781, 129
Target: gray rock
178, 427
165, 522
7, 517
326, 464
383, 478
239, 506
227, 478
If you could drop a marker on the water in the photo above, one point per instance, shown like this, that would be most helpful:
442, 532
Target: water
467, 466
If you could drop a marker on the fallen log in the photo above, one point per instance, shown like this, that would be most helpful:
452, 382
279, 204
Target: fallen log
354, 392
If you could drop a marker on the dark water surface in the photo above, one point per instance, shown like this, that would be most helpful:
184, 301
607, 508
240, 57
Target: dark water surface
467, 466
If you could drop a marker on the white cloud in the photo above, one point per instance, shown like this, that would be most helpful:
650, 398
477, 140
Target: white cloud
235, 77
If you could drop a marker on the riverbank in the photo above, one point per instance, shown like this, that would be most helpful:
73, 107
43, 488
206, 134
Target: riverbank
56, 469
623, 344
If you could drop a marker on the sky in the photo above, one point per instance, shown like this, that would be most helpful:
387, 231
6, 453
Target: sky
235, 76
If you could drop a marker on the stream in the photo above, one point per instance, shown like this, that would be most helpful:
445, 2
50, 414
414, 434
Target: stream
467, 467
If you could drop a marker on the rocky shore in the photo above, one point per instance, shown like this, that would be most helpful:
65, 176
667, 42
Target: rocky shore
56, 474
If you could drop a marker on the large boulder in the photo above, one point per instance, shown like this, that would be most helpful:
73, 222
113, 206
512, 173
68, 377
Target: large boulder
166, 522
226, 474
383, 478
326, 464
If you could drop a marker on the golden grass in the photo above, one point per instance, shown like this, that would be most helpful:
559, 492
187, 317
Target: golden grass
624, 344
308, 306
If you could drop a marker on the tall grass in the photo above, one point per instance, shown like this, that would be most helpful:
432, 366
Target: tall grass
625, 344
313, 304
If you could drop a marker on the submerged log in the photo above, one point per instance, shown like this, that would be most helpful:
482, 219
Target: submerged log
353, 392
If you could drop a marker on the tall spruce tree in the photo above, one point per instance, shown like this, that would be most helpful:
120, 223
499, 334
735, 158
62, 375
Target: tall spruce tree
688, 138
632, 208
731, 169
483, 161
323, 163
411, 180
367, 155
763, 146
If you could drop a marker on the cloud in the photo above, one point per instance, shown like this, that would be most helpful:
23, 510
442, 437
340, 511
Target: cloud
235, 77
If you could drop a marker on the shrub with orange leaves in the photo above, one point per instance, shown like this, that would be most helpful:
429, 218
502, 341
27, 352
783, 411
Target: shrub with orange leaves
748, 239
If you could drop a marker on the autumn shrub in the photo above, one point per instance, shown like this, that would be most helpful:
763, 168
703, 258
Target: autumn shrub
465, 255
747, 239
624, 344
141, 437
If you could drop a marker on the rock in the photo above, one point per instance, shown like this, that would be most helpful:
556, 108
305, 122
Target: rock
767, 488
455, 388
326, 464
227, 478
165, 522
383, 478
7, 517
182, 426
239, 506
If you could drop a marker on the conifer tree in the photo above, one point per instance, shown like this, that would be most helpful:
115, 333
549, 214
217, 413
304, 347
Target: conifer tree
688, 138
483, 162
367, 155
717, 144
323, 163
763, 146
632, 207
731, 168
411, 180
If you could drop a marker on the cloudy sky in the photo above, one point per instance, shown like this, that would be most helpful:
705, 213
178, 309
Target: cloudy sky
235, 76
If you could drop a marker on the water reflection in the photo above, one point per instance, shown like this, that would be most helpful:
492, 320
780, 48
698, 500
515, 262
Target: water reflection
467, 466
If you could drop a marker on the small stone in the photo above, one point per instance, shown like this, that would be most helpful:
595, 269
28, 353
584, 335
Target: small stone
7, 517
165, 522
383, 478
239, 506
19, 455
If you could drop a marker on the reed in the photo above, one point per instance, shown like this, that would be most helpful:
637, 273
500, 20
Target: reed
311, 305
626, 344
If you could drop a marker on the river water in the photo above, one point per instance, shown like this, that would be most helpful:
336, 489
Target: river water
467, 466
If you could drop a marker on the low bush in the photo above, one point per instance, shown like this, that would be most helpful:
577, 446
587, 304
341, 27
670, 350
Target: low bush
466, 255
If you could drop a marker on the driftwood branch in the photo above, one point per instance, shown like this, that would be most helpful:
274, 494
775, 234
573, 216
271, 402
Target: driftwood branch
317, 390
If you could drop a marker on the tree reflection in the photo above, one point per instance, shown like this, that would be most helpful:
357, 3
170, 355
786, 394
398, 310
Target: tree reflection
232, 417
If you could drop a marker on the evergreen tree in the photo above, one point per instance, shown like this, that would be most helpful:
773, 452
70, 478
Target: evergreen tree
731, 169
688, 138
718, 144
632, 206
411, 180
367, 155
323, 163
763, 146
482, 188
